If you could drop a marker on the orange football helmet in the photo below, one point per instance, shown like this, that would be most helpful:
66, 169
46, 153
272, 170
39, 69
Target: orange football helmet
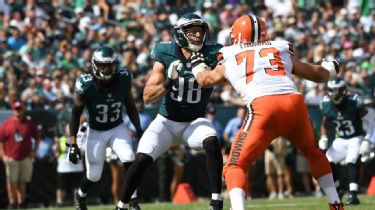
248, 29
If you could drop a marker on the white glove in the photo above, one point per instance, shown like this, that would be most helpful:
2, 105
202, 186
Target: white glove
173, 69
197, 61
365, 148
332, 66
323, 142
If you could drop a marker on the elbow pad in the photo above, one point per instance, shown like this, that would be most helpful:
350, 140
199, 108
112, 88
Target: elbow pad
74, 120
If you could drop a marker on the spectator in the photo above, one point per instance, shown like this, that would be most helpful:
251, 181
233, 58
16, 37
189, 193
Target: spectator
19, 142
274, 161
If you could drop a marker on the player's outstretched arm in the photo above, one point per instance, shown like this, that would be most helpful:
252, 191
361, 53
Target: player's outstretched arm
154, 89
132, 111
315, 73
203, 73
211, 78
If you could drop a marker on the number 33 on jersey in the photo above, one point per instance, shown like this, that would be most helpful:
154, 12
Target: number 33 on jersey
104, 107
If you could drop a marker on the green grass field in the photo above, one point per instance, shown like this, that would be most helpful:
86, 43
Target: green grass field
300, 203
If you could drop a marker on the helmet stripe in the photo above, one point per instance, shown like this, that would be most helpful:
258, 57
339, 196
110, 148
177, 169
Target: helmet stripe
255, 32
259, 29
252, 28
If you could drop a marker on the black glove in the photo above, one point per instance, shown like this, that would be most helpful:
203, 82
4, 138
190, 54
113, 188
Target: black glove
139, 134
74, 154
196, 59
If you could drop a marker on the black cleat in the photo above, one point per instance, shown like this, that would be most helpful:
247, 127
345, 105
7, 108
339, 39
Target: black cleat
133, 204
216, 205
352, 199
81, 202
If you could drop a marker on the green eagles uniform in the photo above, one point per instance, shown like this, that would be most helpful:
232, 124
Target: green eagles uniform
186, 100
104, 107
345, 117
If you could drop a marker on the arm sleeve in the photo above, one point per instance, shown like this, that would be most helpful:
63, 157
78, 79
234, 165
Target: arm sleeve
74, 120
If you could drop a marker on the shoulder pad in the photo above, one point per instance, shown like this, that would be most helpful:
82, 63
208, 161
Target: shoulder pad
83, 81
159, 49
123, 71
224, 53
325, 100
284, 45
357, 99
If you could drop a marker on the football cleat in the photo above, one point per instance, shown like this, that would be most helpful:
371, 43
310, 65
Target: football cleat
81, 202
133, 204
216, 205
352, 199
336, 206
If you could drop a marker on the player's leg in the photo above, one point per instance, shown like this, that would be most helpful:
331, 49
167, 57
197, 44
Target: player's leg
255, 135
122, 144
302, 136
336, 153
351, 160
155, 141
94, 157
198, 130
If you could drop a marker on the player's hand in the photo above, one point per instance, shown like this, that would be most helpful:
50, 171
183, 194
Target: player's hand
365, 148
74, 153
198, 63
323, 143
332, 66
173, 69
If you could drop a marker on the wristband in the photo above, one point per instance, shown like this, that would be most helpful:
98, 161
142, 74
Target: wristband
168, 84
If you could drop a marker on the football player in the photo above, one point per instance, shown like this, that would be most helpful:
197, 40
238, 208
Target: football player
260, 71
103, 92
181, 114
346, 112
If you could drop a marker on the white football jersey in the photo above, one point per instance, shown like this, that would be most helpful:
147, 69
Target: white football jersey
259, 69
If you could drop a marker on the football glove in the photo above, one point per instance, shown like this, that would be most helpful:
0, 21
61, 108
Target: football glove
173, 69
198, 63
74, 153
323, 142
332, 66
365, 148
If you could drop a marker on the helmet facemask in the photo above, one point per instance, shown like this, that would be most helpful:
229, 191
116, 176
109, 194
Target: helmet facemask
337, 95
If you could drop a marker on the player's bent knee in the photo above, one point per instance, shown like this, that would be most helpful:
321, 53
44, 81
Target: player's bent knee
142, 160
93, 177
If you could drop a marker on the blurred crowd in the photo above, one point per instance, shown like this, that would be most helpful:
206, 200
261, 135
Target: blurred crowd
44, 45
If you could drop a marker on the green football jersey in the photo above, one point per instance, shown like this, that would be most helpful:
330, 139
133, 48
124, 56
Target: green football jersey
103, 106
186, 100
347, 122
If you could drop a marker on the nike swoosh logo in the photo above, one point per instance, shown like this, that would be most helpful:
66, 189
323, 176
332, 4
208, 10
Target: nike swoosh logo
174, 88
